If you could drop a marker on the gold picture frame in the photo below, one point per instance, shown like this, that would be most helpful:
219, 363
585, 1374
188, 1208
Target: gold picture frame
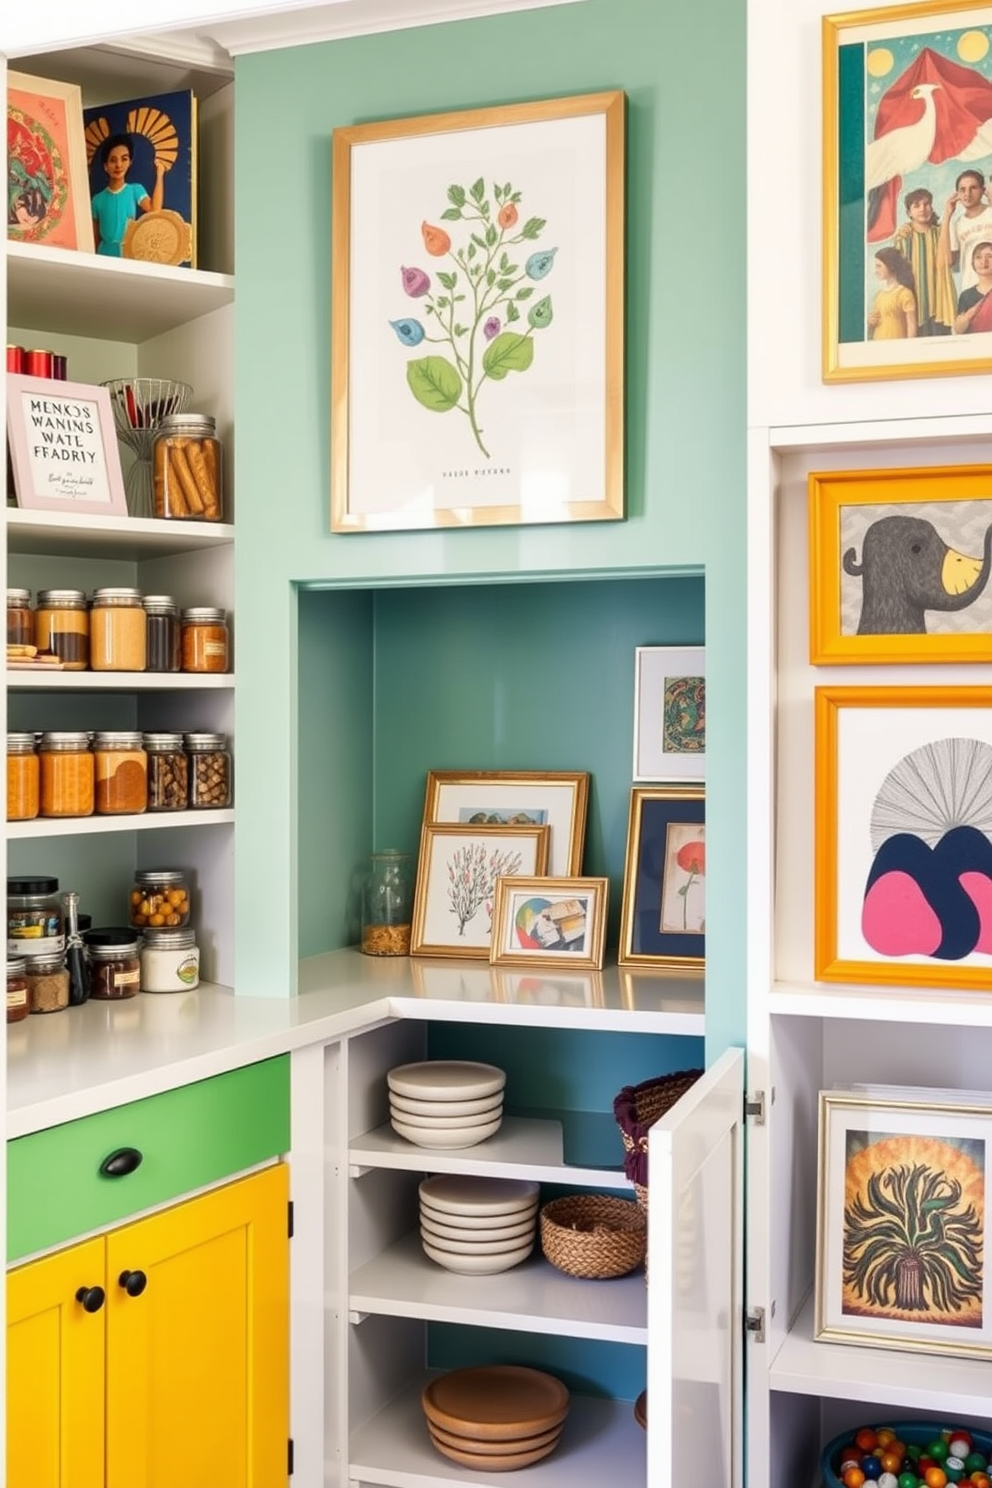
558, 799
466, 390
457, 871
663, 912
549, 922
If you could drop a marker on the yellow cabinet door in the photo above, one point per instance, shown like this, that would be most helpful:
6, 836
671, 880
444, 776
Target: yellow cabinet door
198, 1342
55, 1370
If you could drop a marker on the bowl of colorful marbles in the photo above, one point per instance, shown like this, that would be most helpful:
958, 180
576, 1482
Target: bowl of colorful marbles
908, 1454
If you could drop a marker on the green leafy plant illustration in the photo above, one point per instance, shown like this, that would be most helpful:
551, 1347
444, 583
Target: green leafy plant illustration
479, 303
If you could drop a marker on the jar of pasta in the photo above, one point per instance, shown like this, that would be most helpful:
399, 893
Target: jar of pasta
121, 772
159, 899
67, 776
204, 640
161, 634
168, 772
23, 787
62, 625
20, 618
186, 462
117, 631
209, 770
112, 965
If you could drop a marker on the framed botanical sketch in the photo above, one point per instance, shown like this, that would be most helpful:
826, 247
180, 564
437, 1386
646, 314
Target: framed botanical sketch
907, 208
904, 1197
477, 317
669, 713
48, 199
903, 854
663, 914
549, 922
457, 873
63, 447
558, 799
899, 565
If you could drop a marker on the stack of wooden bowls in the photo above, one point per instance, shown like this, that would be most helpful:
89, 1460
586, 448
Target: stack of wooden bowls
446, 1103
477, 1226
496, 1417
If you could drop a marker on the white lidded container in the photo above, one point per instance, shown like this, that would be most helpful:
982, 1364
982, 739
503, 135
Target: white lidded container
170, 960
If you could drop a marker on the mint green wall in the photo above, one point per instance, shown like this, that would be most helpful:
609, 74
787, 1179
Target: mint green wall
685, 387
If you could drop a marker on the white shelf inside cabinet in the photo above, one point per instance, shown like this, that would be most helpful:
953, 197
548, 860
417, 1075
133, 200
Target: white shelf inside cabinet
51, 680
522, 1148
87, 294
950, 1006
145, 821
881, 434
63, 535
904, 1380
601, 1444
534, 1297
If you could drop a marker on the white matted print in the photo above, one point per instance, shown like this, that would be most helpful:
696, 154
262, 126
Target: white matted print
557, 799
457, 872
63, 447
549, 922
669, 713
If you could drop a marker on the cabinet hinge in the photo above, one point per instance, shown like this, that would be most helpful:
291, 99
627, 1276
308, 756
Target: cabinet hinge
289, 1457
290, 1219
754, 1105
754, 1324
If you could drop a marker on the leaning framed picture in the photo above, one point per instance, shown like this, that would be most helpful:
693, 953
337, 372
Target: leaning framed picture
457, 872
477, 317
63, 447
669, 713
899, 565
904, 1198
907, 209
558, 799
555, 922
663, 913
903, 836
48, 199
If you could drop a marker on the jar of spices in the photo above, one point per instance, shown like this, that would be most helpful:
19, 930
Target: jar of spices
17, 991
186, 461
161, 634
168, 772
35, 924
23, 798
117, 631
205, 640
62, 626
20, 618
209, 770
48, 983
67, 779
112, 964
121, 769
170, 961
387, 903
159, 898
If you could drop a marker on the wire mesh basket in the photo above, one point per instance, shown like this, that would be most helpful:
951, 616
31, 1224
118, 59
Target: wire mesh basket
139, 405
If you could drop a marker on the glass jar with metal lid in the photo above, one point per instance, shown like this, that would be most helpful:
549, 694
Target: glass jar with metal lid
159, 899
17, 990
62, 626
20, 618
35, 924
209, 770
168, 772
205, 639
121, 771
23, 778
112, 964
67, 775
48, 983
170, 960
161, 633
117, 631
187, 467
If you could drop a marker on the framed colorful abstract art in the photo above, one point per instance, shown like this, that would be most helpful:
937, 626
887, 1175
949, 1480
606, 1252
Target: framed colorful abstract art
669, 713
48, 200
552, 922
903, 859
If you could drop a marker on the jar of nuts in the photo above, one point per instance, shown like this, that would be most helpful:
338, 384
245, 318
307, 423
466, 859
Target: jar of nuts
159, 898
168, 772
209, 770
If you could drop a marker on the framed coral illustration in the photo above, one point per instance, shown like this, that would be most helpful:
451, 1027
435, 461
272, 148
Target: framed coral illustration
48, 200
457, 873
669, 713
904, 1194
903, 856
663, 913
477, 317
899, 565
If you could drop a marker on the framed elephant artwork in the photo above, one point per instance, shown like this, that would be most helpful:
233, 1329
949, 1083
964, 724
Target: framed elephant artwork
899, 565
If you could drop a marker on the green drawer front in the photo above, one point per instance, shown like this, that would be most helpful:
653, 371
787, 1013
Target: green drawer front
188, 1138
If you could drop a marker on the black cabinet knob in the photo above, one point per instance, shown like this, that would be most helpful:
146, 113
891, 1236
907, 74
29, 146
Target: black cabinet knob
133, 1282
119, 1163
92, 1298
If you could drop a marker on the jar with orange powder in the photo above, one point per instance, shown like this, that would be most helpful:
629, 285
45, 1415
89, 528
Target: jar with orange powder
121, 773
67, 776
23, 778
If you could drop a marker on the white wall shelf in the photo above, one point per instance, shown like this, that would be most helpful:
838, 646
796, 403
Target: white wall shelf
129, 538
44, 827
49, 679
959, 1008
522, 1148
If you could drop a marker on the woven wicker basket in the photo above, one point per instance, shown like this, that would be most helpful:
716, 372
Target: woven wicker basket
637, 1108
594, 1236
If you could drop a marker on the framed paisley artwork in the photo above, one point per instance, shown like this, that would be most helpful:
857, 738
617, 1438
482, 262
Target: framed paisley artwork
903, 832
47, 197
669, 713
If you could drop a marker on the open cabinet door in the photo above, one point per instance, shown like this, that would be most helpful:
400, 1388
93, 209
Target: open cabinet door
695, 1283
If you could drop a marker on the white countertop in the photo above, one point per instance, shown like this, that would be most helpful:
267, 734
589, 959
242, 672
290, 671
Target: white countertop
91, 1058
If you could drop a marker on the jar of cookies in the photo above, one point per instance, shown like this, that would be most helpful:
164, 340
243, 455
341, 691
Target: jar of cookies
186, 461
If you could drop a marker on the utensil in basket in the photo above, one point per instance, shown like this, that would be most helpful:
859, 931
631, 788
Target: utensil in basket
139, 405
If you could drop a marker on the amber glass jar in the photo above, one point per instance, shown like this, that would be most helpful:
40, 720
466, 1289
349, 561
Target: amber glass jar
121, 772
67, 776
17, 991
112, 964
187, 467
161, 634
168, 772
23, 778
62, 625
20, 618
117, 631
205, 640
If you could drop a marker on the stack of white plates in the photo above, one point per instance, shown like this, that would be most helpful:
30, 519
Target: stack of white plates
446, 1102
477, 1226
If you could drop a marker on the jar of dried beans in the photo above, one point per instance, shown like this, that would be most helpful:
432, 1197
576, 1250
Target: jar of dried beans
209, 770
20, 618
161, 634
159, 898
62, 625
23, 778
187, 468
168, 772
121, 773
117, 631
67, 778
112, 964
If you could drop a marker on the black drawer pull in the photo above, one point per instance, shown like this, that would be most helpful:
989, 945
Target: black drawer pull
92, 1298
133, 1282
121, 1162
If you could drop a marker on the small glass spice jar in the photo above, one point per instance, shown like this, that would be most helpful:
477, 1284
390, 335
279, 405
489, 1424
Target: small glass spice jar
205, 640
209, 770
112, 964
48, 983
62, 625
387, 898
17, 991
170, 961
35, 923
67, 775
121, 770
159, 899
20, 618
23, 778
187, 468
168, 772
162, 634
118, 642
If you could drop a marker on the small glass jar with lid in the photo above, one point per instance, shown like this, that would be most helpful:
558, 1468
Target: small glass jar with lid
168, 772
118, 642
62, 626
67, 777
170, 960
48, 983
159, 899
112, 965
162, 634
209, 771
187, 467
23, 778
17, 990
35, 923
20, 618
121, 770
387, 901
205, 640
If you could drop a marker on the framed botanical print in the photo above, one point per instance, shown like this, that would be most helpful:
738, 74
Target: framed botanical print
558, 799
458, 870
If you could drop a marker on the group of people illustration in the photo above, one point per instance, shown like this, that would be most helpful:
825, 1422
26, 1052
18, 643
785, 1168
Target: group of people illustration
935, 278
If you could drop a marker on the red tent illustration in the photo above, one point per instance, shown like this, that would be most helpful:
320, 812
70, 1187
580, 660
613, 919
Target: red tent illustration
936, 110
